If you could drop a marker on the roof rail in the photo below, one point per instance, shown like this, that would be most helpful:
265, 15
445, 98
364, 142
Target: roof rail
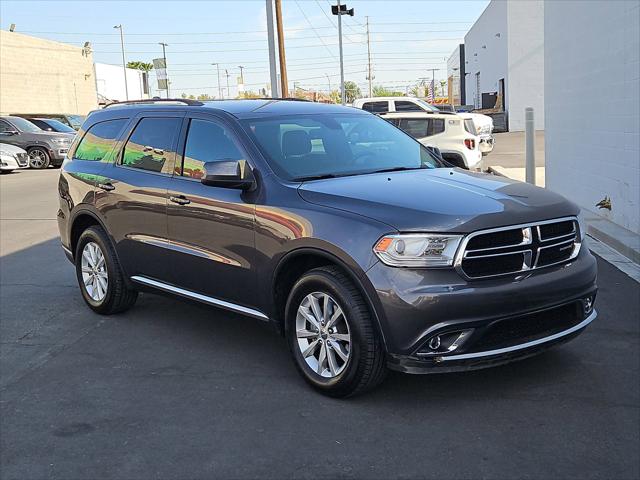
186, 101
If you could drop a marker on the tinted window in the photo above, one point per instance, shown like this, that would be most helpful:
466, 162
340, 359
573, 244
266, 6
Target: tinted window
206, 142
56, 125
416, 127
5, 127
376, 107
422, 127
303, 146
25, 125
151, 146
98, 142
402, 106
40, 124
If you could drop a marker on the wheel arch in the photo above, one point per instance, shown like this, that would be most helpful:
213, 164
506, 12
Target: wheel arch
83, 219
296, 262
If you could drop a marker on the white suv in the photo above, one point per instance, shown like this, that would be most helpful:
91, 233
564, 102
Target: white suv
454, 136
483, 123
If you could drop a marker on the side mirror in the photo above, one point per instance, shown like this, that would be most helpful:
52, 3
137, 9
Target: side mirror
228, 174
435, 151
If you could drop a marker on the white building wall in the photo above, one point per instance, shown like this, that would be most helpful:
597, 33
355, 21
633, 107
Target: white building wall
592, 88
507, 41
110, 82
525, 20
485, 51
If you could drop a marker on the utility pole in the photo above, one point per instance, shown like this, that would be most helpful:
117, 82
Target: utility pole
340, 10
328, 80
164, 56
273, 70
283, 63
226, 72
218, 70
124, 63
370, 76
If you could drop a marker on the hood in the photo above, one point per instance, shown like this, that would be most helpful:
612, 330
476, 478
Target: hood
5, 147
46, 133
441, 200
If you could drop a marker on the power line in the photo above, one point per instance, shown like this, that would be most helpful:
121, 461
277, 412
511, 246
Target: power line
312, 28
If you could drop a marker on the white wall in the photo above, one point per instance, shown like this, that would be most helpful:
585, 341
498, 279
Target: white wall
592, 88
491, 61
110, 82
525, 20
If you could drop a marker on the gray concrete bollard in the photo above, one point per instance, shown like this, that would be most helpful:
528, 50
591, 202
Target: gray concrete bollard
530, 146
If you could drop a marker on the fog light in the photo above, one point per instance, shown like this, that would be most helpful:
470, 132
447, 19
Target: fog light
588, 305
434, 343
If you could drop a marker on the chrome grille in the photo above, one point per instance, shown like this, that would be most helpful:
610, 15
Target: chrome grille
518, 248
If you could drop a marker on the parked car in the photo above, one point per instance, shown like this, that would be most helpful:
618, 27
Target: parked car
44, 148
455, 138
482, 124
71, 120
12, 158
339, 229
51, 125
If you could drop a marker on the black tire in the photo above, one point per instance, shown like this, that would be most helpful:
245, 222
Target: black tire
38, 158
119, 297
366, 365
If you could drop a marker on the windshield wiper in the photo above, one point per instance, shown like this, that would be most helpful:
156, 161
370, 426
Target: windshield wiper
395, 169
315, 177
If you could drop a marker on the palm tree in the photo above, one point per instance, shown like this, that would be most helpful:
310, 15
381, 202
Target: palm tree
145, 67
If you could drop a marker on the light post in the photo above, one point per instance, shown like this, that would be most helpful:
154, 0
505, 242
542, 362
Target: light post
164, 56
226, 72
124, 63
328, 80
218, 70
340, 10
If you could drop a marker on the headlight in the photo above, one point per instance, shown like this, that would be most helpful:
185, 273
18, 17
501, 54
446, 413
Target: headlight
7, 154
418, 250
582, 225
60, 141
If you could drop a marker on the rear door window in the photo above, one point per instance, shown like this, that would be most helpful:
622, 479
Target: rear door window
97, 144
151, 146
404, 106
416, 127
376, 107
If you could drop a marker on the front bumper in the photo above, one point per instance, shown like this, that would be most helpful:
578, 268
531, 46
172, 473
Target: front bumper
14, 162
417, 305
486, 358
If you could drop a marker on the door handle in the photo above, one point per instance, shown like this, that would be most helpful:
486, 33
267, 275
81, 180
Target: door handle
106, 186
180, 200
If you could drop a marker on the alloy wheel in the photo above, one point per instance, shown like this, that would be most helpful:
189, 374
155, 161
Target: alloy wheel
94, 271
323, 335
37, 158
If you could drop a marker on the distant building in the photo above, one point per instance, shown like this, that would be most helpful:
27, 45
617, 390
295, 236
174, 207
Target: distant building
456, 77
592, 85
110, 83
504, 57
43, 76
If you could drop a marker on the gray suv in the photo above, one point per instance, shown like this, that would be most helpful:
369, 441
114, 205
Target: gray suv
44, 148
364, 250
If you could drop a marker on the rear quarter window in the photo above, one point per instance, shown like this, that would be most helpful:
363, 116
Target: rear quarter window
97, 144
376, 107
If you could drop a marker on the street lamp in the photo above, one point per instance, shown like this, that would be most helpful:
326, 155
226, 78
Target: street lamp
218, 70
340, 10
124, 63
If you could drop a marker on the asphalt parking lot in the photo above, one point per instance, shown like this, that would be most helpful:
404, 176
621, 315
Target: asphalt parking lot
177, 390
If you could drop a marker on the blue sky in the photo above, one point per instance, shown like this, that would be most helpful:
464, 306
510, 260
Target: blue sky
408, 37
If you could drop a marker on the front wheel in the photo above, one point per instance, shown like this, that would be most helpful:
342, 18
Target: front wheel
38, 158
99, 274
331, 334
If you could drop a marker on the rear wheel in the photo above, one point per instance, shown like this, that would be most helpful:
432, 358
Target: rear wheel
38, 158
331, 334
99, 274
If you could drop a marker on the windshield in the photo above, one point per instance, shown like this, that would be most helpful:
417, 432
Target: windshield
25, 125
59, 126
427, 106
302, 147
76, 120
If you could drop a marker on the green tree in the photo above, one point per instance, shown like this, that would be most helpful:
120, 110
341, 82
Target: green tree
380, 91
351, 91
334, 96
418, 91
145, 67
204, 96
